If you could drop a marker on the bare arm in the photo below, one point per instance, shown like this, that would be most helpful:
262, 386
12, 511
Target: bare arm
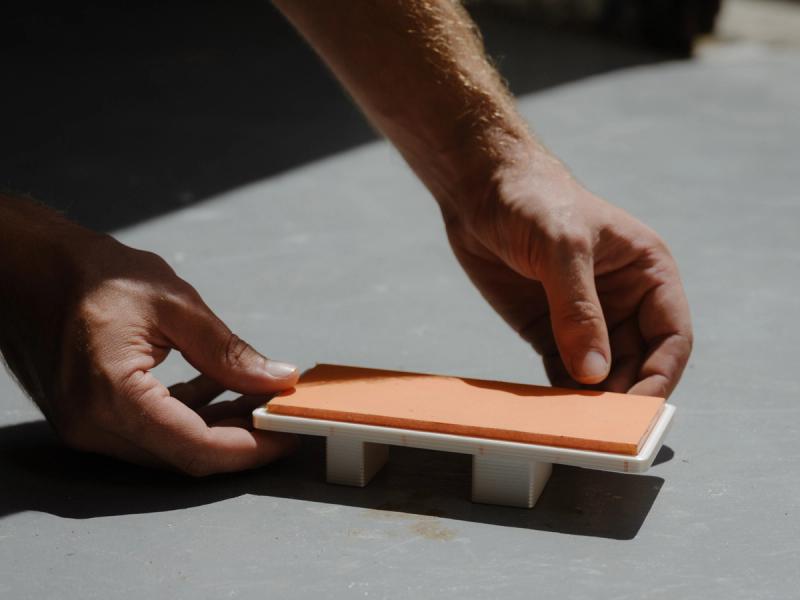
594, 291
419, 72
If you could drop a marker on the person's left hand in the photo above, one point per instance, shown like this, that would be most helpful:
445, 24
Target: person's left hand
85, 321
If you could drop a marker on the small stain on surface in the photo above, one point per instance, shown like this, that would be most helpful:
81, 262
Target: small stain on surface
431, 529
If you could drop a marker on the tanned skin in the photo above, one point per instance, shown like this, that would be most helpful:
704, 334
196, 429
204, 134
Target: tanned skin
595, 292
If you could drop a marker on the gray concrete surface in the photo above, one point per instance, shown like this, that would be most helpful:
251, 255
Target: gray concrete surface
344, 260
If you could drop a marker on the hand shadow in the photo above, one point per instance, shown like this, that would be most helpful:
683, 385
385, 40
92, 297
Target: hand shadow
42, 475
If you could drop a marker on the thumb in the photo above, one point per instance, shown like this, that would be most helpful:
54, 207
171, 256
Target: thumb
576, 316
214, 350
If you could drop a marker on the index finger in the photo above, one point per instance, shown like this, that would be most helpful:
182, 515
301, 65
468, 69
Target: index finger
666, 327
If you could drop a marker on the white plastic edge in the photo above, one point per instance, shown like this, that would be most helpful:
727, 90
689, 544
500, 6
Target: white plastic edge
604, 461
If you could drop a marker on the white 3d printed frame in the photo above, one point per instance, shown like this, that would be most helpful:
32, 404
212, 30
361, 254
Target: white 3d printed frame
507, 473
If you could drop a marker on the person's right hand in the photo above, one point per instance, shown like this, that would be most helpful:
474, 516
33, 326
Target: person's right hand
595, 292
83, 342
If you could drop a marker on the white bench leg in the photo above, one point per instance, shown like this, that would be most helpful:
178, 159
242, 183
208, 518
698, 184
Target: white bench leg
510, 482
353, 462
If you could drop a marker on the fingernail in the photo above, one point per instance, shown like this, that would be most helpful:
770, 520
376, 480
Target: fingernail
593, 368
280, 370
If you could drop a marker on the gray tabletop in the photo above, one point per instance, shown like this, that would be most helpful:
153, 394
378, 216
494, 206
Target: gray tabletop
344, 260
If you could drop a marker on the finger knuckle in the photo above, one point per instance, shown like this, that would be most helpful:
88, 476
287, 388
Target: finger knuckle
657, 242
183, 295
661, 387
653, 249
570, 240
582, 313
686, 341
235, 351
154, 261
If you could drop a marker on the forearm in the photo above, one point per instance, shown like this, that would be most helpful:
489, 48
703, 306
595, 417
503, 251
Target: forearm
35, 243
36, 277
419, 72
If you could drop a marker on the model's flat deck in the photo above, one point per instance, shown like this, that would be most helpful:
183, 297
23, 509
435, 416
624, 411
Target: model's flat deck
584, 420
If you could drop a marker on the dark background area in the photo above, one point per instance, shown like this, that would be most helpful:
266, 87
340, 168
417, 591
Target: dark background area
116, 113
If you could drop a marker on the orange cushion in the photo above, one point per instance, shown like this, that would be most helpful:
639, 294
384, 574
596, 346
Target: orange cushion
586, 420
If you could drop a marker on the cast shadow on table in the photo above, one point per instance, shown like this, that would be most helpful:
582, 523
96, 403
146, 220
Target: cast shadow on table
125, 111
39, 474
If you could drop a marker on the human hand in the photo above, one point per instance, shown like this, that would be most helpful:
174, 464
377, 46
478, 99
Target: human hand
593, 290
86, 340
559, 264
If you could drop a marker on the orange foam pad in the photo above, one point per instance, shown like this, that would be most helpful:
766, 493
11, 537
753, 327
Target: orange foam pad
586, 420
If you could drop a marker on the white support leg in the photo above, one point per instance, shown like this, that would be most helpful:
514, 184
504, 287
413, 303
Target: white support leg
510, 482
353, 462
